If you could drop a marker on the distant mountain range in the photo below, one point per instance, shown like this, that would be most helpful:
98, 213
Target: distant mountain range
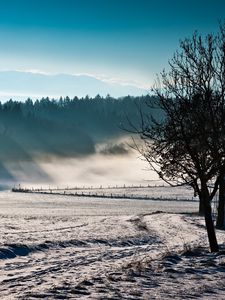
20, 85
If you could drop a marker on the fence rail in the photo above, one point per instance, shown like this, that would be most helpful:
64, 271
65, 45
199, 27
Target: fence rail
101, 195
101, 187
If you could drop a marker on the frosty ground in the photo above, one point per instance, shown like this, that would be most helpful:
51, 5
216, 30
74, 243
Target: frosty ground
66, 247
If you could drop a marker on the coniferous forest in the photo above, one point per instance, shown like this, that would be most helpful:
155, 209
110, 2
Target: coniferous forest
64, 127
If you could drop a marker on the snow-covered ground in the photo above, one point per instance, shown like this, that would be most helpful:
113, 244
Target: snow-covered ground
66, 247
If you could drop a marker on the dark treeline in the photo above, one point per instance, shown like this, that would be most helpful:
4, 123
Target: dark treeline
64, 127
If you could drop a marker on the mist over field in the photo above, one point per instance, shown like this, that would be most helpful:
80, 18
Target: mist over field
71, 141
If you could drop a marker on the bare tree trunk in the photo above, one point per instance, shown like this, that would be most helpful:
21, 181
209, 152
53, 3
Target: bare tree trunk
210, 229
209, 221
221, 207
201, 209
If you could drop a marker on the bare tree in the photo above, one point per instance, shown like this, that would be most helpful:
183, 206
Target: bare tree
187, 146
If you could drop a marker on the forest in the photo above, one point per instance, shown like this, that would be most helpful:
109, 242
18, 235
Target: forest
64, 127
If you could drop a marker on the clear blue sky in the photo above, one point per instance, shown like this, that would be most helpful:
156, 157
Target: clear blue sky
130, 40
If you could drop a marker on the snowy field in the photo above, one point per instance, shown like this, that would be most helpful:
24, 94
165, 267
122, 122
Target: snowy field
64, 247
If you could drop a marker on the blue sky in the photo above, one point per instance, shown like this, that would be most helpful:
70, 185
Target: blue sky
120, 40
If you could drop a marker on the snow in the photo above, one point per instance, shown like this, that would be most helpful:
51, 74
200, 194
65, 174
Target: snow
66, 247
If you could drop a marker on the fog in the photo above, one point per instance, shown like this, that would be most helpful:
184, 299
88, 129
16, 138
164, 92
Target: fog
113, 163
69, 142
97, 170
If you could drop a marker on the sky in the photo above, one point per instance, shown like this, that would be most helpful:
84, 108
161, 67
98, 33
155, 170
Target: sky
125, 41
